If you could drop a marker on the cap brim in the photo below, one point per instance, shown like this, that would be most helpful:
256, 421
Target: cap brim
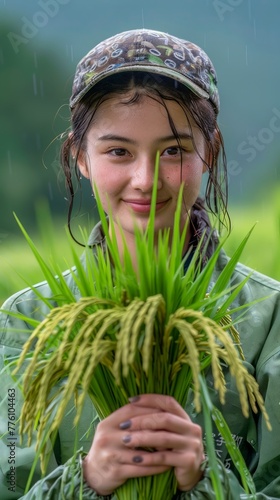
174, 75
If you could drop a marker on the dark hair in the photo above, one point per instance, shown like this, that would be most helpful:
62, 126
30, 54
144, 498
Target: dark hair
162, 89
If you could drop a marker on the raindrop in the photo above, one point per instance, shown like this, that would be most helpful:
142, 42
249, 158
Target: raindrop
35, 59
70, 52
250, 9
246, 54
9, 161
35, 90
42, 90
143, 18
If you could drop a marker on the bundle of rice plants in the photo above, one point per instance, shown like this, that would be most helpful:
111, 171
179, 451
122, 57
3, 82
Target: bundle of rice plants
153, 329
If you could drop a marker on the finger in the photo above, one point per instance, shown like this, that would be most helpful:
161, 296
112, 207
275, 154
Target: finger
190, 459
162, 421
114, 468
158, 401
157, 440
125, 461
124, 414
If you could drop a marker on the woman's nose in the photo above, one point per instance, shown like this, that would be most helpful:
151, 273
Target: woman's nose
142, 177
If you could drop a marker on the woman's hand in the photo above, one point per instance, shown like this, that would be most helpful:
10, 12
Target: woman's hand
149, 421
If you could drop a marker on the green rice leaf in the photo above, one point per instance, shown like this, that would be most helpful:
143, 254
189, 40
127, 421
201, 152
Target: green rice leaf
224, 277
113, 337
210, 444
234, 452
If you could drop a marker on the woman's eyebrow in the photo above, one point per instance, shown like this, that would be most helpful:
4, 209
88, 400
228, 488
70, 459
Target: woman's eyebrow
114, 137
181, 135
167, 138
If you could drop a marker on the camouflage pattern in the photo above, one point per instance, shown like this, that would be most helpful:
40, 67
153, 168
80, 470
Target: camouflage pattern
151, 51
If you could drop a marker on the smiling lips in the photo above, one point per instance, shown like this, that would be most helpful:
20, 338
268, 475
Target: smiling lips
144, 206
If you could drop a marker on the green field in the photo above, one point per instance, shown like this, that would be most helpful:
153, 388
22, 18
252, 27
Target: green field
18, 267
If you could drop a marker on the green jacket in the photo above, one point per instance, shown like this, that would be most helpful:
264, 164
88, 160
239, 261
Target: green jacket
260, 336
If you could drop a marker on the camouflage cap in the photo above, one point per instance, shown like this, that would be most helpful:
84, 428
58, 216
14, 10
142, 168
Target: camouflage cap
150, 51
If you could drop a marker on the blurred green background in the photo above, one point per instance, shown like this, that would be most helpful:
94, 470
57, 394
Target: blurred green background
40, 45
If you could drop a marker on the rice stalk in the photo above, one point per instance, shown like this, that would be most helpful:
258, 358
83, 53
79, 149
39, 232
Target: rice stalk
156, 307
94, 341
156, 329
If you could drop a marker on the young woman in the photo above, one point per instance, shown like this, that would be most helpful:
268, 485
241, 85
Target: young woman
135, 94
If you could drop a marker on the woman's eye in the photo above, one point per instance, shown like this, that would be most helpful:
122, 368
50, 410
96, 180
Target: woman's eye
118, 152
173, 151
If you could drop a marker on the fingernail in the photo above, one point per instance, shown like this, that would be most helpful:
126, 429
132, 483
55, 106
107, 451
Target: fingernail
125, 425
127, 438
134, 399
137, 459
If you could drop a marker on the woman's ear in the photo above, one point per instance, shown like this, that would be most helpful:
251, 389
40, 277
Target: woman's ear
82, 164
80, 158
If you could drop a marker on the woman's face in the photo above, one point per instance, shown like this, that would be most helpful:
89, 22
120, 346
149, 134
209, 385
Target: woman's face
121, 147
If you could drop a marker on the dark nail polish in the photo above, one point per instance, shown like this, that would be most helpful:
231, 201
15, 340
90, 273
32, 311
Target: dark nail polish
125, 425
127, 438
134, 399
137, 459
